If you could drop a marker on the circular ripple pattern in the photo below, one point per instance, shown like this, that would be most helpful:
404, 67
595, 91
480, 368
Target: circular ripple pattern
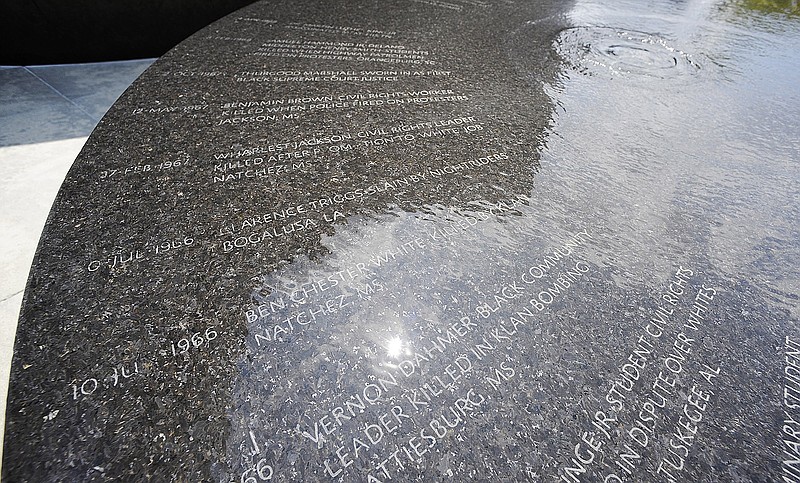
619, 52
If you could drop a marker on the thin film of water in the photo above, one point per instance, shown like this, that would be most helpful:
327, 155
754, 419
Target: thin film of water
673, 144
678, 129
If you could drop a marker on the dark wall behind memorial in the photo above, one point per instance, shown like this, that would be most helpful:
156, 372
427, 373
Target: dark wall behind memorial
59, 31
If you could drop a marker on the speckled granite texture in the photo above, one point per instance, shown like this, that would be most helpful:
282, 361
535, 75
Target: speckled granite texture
317, 241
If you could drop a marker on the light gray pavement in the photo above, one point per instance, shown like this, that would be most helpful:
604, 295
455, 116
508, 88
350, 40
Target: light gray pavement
46, 114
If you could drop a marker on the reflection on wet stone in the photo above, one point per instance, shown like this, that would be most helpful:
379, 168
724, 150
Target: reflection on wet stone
359, 242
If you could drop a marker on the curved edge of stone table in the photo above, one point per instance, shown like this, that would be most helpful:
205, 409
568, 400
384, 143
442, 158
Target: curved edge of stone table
134, 324
316, 241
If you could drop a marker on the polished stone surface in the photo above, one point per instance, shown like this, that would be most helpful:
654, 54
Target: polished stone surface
35, 159
427, 240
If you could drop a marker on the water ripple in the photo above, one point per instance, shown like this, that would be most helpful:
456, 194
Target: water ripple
617, 52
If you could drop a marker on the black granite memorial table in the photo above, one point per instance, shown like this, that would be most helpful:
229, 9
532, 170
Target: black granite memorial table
428, 240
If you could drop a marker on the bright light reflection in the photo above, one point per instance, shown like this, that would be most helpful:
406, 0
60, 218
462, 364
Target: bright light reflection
395, 347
